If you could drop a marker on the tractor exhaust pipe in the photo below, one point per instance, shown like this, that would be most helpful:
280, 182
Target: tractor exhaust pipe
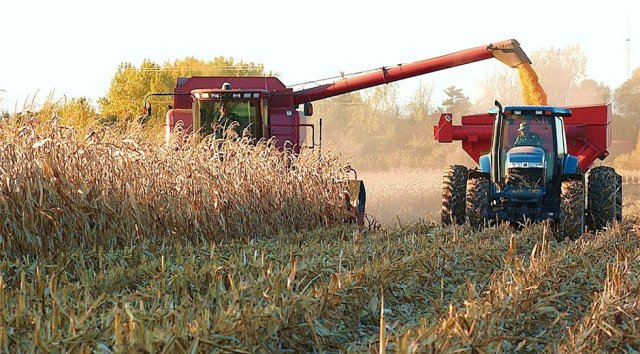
509, 52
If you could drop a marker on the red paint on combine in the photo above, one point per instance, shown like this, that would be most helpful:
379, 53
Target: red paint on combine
283, 121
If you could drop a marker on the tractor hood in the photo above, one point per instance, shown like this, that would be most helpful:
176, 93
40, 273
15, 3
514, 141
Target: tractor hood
525, 157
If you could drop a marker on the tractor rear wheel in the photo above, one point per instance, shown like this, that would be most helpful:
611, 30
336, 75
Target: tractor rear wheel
454, 184
572, 216
478, 199
602, 197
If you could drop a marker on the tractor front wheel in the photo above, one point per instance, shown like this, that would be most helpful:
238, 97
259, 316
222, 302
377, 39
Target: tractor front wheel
571, 223
603, 192
454, 183
478, 199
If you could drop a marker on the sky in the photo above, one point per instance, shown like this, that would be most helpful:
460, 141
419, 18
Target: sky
73, 48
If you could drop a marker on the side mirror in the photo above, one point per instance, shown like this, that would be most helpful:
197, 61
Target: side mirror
146, 110
308, 109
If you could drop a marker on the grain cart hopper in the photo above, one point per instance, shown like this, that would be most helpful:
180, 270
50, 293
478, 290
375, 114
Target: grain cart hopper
268, 109
535, 179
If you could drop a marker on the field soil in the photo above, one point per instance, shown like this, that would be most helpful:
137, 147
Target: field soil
403, 196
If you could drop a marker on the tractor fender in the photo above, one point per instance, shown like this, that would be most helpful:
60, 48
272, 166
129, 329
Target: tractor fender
570, 164
485, 163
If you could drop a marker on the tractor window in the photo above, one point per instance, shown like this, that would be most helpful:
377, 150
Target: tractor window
218, 115
562, 144
528, 131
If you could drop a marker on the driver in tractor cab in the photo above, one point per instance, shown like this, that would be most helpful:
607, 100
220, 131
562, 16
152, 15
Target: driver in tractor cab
526, 137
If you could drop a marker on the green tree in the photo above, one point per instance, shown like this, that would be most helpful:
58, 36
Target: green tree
76, 111
420, 105
503, 85
627, 97
131, 84
590, 91
456, 102
626, 121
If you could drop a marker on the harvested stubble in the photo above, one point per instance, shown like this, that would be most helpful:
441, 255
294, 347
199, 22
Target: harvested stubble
444, 290
113, 187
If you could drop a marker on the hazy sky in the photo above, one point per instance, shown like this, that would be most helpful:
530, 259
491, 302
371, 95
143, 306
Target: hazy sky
75, 47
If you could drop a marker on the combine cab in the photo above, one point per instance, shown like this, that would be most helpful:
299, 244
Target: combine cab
532, 161
268, 109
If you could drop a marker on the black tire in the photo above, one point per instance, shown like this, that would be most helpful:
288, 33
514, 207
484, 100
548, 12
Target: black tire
572, 208
454, 184
619, 199
477, 203
602, 195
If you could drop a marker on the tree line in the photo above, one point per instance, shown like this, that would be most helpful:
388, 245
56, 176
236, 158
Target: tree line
371, 126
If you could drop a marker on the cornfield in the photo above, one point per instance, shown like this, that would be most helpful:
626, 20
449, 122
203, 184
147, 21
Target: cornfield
114, 244
113, 187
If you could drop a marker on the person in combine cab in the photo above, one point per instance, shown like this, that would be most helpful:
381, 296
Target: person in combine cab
526, 137
220, 121
225, 115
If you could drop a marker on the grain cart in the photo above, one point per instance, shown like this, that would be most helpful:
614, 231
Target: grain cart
268, 109
534, 179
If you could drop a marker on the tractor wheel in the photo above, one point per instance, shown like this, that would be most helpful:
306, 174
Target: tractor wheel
478, 199
571, 223
619, 199
454, 184
602, 197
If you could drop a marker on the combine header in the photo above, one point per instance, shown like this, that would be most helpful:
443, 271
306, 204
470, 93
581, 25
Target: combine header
267, 109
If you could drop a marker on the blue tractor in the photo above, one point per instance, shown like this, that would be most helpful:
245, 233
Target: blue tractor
530, 174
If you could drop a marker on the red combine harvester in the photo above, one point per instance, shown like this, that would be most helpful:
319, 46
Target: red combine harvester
269, 109
542, 155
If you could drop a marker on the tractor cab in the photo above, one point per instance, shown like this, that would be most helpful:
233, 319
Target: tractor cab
530, 146
215, 110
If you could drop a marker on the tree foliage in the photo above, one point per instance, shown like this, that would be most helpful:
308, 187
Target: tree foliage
131, 84
456, 102
503, 85
421, 106
627, 97
562, 74
626, 121
560, 71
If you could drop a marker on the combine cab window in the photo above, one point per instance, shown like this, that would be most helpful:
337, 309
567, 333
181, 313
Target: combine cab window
218, 115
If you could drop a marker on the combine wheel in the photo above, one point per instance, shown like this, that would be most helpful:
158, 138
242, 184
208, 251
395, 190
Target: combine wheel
602, 197
478, 198
571, 209
454, 185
